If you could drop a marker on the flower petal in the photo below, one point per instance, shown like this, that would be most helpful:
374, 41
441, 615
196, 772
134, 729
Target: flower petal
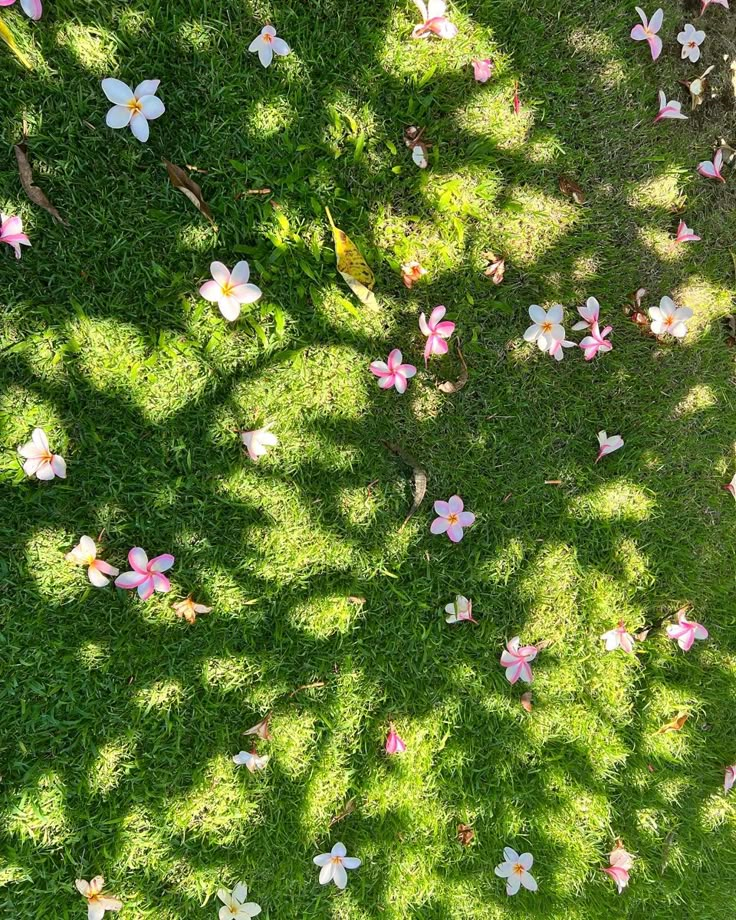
118, 116
152, 107
117, 91
139, 127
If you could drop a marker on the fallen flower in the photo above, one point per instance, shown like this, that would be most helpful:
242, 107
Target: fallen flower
495, 269
685, 234
40, 462
731, 486
146, 576
620, 864
669, 319
647, 31
133, 108
451, 518
691, 39
420, 155
671, 109
608, 445
230, 290
97, 902
267, 44
458, 610
698, 86
252, 760
261, 729
730, 778
334, 864
685, 631
465, 834
188, 610
704, 4
437, 332
526, 701
394, 742
556, 349
596, 341
482, 70
515, 870
516, 661
32, 8
258, 441
712, 169
546, 326
85, 553
411, 272
590, 313
393, 373
618, 638
11, 232
434, 21
236, 907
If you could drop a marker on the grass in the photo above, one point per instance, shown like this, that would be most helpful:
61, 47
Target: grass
118, 721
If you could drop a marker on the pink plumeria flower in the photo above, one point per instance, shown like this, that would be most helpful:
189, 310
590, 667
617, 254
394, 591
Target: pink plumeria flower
146, 576
97, 901
411, 272
546, 326
85, 553
437, 332
557, 346
596, 341
40, 462
672, 109
704, 4
669, 319
482, 70
334, 864
619, 638
646, 31
730, 778
258, 441
590, 313
516, 661
731, 486
267, 44
452, 519
230, 289
517, 101
621, 863
712, 169
685, 631
434, 21
394, 742
32, 8
607, 444
133, 108
515, 869
459, 610
252, 760
11, 232
691, 39
685, 234
393, 373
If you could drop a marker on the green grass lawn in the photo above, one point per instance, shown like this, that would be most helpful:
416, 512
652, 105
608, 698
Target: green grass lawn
118, 721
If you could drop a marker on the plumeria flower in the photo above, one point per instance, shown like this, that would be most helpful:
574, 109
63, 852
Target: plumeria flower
517, 101
32, 8
437, 332
685, 631
685, 234
40, 462
452, 519
252, 760
516, 661
146, 576
97, 902
730, 778
647, 31
188, 610
133, 108
590, 313
85, 553
618, 638
712, 170
546, 326
731, 486
258, 441
11, 232
411, 272
434, 21
515, 869
459, 610
672, 109
704, 4
607, 444
395, 744
596, 341
557, 346
482, 70
236, 907
620, 864
393, 373
230, 290
334, 865
669, 319
267, 44
691, 39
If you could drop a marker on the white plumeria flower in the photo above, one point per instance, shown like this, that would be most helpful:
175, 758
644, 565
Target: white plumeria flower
40, 462
230, 289
691, 39
619, 638
334, 864
97, 901
669, 319
608, 443
515, 870
545, 326
458, 610
236, 907
133, 108
557, 346
85, 553
258, 441
267, 44
252, 760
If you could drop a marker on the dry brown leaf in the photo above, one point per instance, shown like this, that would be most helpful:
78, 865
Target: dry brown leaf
181, 180
313, 686
526, 700
675, 725
541, 646
553, 482
465, 834
26, 180
348, 810
413, 135
496, 268
420, 478
698, 88
354, 599
571, 190
261, 729
452, 387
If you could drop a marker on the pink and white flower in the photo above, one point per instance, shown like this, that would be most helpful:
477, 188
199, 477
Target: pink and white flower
334, 864
252, 760
620, 865
393, 373
146, 576
32, 8
97, 901
258, 441
482, 70
557, 346
590, 314
451, 518
133, 108
458, 610
712, 169
669, 319
394, 742
267, 44
646, 31
85, 553
731, 486
546, 326
434, 21
607, 444
230, 290
437, 332
730, 778
411, 272
40, 462
672, 109
685, 631
619, 638
704, 4
515, 869
685, 234
691, 39
11, 232
516, 660
596, 341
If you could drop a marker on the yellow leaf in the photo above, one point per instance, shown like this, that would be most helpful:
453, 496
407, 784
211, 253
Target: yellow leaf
352, 266
7, 37
675, 725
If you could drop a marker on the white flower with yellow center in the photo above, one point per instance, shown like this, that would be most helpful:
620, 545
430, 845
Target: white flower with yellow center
236, 907
267, 44
133, 108
334, 864
515, 870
